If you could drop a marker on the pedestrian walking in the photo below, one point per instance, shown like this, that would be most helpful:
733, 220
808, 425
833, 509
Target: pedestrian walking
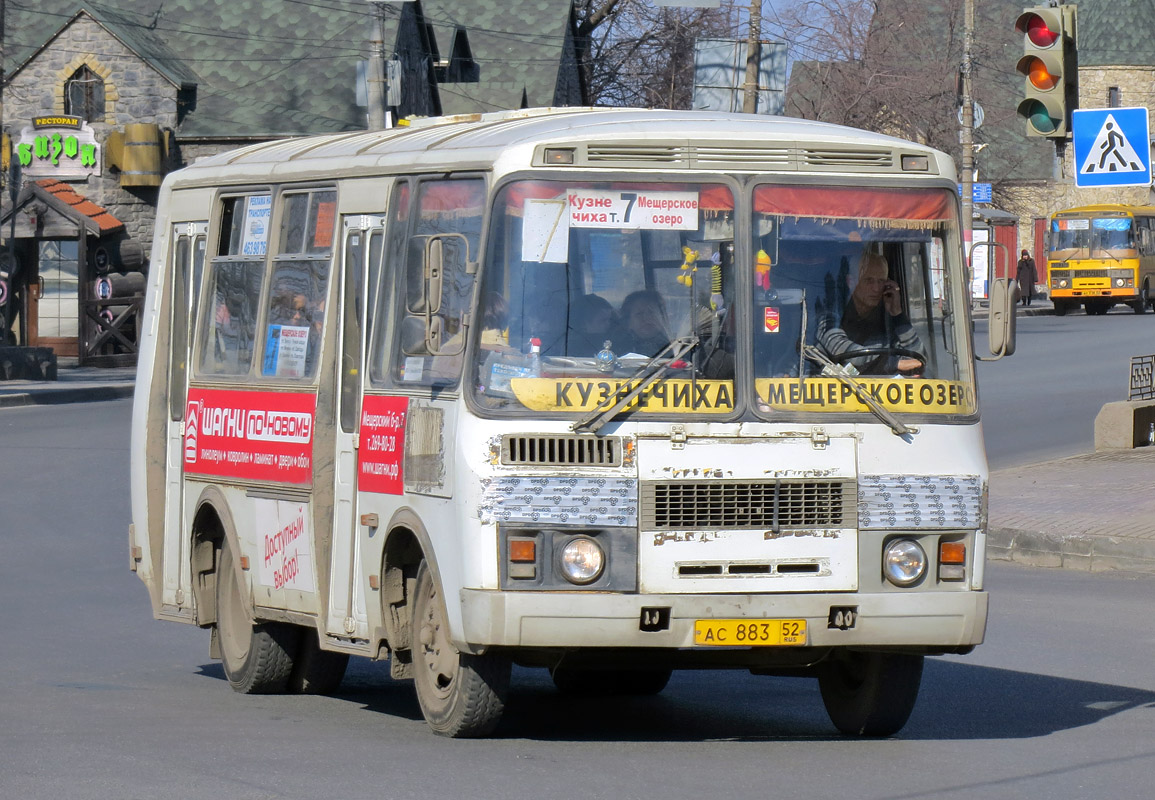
1027, 276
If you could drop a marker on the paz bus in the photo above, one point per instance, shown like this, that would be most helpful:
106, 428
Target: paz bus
1100, 255
399, 398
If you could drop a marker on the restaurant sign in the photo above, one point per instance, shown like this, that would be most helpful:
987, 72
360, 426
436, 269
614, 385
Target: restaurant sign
58, 147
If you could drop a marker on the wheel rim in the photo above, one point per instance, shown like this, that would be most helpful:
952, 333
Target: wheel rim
234, 628
439, 658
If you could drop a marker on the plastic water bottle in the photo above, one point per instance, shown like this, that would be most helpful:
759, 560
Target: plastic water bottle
535, 357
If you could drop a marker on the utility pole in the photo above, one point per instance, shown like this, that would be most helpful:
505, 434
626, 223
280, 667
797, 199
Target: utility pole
967, 132
375, 72
753, 59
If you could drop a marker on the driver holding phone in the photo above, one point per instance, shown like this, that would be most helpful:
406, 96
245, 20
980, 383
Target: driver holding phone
873, 325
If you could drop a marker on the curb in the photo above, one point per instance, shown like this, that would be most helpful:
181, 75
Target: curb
1086, 552
57, 396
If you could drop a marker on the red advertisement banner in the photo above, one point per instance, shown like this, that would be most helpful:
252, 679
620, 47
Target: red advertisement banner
259, 436
382, 444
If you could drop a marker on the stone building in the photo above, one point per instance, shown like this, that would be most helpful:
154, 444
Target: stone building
104, 100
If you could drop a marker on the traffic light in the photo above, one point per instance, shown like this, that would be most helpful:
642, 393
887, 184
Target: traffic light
1050, 66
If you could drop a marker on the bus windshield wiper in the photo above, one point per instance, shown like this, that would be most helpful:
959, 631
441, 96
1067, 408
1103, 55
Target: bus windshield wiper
843, 373
647, 375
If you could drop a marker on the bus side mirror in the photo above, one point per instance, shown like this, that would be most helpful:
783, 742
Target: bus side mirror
1004, 298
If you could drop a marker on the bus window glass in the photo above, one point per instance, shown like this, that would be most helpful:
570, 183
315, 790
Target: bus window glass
299, 286
857, 275
586, 282
382, 282
431, 334
1113, 233
229, 319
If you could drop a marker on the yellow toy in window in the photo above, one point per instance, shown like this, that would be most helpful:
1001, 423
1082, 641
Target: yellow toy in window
689, 266
762, 266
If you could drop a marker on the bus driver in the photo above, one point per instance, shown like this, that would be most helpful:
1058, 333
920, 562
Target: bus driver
873, 323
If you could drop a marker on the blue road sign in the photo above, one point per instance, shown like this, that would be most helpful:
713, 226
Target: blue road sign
980, 192
1112, 147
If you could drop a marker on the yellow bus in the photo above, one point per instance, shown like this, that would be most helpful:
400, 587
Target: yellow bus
1100, 255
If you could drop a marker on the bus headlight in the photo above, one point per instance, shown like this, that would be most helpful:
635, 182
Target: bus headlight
903, 562
1119, 282
582, 560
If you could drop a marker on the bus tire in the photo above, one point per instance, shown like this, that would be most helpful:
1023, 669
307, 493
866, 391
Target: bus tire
460, 695
638, 682
258, 658
316, 671
1061, 308
870, 694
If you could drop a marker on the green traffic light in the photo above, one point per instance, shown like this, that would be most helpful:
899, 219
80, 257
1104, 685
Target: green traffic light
1039, 118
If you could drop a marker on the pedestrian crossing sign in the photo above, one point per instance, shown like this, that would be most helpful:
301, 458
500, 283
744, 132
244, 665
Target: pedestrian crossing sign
1112, 147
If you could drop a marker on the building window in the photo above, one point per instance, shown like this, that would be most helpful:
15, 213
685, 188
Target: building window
1112, 97
84, 95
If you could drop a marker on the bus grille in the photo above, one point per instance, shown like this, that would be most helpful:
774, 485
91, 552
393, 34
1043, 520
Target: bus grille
562, 450
1082, 273
729, 505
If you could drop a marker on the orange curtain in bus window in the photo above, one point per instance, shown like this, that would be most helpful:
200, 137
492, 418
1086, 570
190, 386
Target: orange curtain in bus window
922, 207
326, 222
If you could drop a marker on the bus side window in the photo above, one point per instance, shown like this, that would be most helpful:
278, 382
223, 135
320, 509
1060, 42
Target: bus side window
300, 285
435, 306
229, 318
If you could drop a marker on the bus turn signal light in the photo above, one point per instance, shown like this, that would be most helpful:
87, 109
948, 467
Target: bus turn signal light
522, 550
952, 553
952, 557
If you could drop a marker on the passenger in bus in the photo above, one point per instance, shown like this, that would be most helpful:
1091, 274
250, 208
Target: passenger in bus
645, 328
592, 323
872, 320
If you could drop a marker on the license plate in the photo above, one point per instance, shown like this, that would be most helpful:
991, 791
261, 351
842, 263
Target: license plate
749, 632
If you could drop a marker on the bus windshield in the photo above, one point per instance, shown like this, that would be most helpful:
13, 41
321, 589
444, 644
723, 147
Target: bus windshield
1072, 234
588, 285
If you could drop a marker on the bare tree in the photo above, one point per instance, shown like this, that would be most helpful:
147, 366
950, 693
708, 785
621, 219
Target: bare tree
639, 54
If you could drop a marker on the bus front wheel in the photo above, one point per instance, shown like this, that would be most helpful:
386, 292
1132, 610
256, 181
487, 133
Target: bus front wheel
460, 695
258, 658
870, 694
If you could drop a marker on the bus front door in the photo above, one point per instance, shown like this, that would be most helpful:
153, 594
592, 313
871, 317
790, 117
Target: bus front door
362, 237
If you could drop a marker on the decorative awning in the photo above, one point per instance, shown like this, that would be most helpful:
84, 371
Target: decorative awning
49, 208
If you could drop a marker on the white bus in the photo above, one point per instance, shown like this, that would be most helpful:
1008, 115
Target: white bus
567, 389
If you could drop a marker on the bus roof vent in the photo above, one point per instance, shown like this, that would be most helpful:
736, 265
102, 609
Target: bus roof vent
636, 154
842, 159
561, 450
737, 157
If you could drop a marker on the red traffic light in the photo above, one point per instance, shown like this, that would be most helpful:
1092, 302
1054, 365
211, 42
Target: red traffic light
1038, 30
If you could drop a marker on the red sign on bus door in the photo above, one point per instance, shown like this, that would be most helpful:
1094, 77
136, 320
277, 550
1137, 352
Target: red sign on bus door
382, 444
260, 436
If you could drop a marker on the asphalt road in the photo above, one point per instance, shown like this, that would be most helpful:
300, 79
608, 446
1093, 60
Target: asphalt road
1041, 402
99, 700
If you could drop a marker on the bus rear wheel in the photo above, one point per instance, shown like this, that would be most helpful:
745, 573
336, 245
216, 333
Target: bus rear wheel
460, 695
870, 694
258, 658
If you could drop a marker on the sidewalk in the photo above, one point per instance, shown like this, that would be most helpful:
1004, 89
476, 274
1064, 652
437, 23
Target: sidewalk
73, 385
1094, 511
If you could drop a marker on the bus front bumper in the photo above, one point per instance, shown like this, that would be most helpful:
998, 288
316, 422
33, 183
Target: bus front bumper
932, 620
